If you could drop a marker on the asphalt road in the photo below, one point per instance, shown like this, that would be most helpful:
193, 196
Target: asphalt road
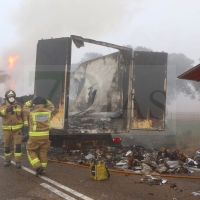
61, 180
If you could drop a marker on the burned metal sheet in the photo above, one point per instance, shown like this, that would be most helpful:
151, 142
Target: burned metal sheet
79, 42
52, 65
100, 87
149, 90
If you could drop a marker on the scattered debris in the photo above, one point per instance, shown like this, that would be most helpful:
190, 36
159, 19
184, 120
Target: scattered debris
82, 180
150, 180
174, 186
104, 195
196, 193
89, 156
130, 158
151, 193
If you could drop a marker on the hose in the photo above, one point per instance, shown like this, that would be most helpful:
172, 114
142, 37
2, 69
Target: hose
128, 172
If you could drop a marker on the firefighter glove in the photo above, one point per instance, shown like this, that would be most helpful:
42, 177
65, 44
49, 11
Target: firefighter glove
10, 109
25, 136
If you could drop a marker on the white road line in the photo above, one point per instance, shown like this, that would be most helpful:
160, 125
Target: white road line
66, 188
58, 192
56, 183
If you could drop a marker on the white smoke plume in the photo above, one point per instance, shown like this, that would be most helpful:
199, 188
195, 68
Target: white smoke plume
34, 20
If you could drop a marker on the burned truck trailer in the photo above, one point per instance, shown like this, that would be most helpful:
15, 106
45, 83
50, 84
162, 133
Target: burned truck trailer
104, 96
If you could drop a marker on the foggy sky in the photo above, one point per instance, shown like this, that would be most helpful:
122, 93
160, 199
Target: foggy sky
168, 25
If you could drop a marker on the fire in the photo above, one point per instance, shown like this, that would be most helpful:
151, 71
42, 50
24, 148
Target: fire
12, 60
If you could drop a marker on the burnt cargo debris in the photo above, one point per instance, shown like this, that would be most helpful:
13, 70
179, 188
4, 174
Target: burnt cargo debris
136, 159
99, 97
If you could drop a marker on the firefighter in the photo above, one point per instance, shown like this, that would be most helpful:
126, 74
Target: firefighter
39, 125
13, 120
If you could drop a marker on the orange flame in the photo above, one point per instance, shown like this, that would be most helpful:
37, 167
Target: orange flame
12, 60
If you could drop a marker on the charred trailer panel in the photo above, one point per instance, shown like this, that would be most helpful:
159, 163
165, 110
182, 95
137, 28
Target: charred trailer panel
101, 102
149, 90
102, 87
52, 76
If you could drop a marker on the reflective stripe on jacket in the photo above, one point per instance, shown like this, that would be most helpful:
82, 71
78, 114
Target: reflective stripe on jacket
39, 121
39, 133
14, 128
12, 120
3, 112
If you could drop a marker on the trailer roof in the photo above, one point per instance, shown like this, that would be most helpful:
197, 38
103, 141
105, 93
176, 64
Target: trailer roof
192, 74
79, 42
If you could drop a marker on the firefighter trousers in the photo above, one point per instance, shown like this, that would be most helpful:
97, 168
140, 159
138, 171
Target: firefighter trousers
37, 151
10, 137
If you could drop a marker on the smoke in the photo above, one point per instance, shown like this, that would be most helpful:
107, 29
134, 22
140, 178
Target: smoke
61, 18
34, 20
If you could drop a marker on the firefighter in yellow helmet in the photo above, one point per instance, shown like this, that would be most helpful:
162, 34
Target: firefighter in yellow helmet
13, 120
39, 125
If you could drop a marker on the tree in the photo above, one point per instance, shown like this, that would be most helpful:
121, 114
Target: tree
140, 48
90, 56
87, 56
178, 64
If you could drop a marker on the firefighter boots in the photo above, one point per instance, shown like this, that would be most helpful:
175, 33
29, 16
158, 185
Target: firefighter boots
18, 165
39, 170
7, 163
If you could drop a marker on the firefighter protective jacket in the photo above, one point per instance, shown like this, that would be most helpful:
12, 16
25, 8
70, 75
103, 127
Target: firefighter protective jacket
13, 120
39, 119
47, 104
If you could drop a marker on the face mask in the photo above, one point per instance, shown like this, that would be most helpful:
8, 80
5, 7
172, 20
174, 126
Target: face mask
11, 99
